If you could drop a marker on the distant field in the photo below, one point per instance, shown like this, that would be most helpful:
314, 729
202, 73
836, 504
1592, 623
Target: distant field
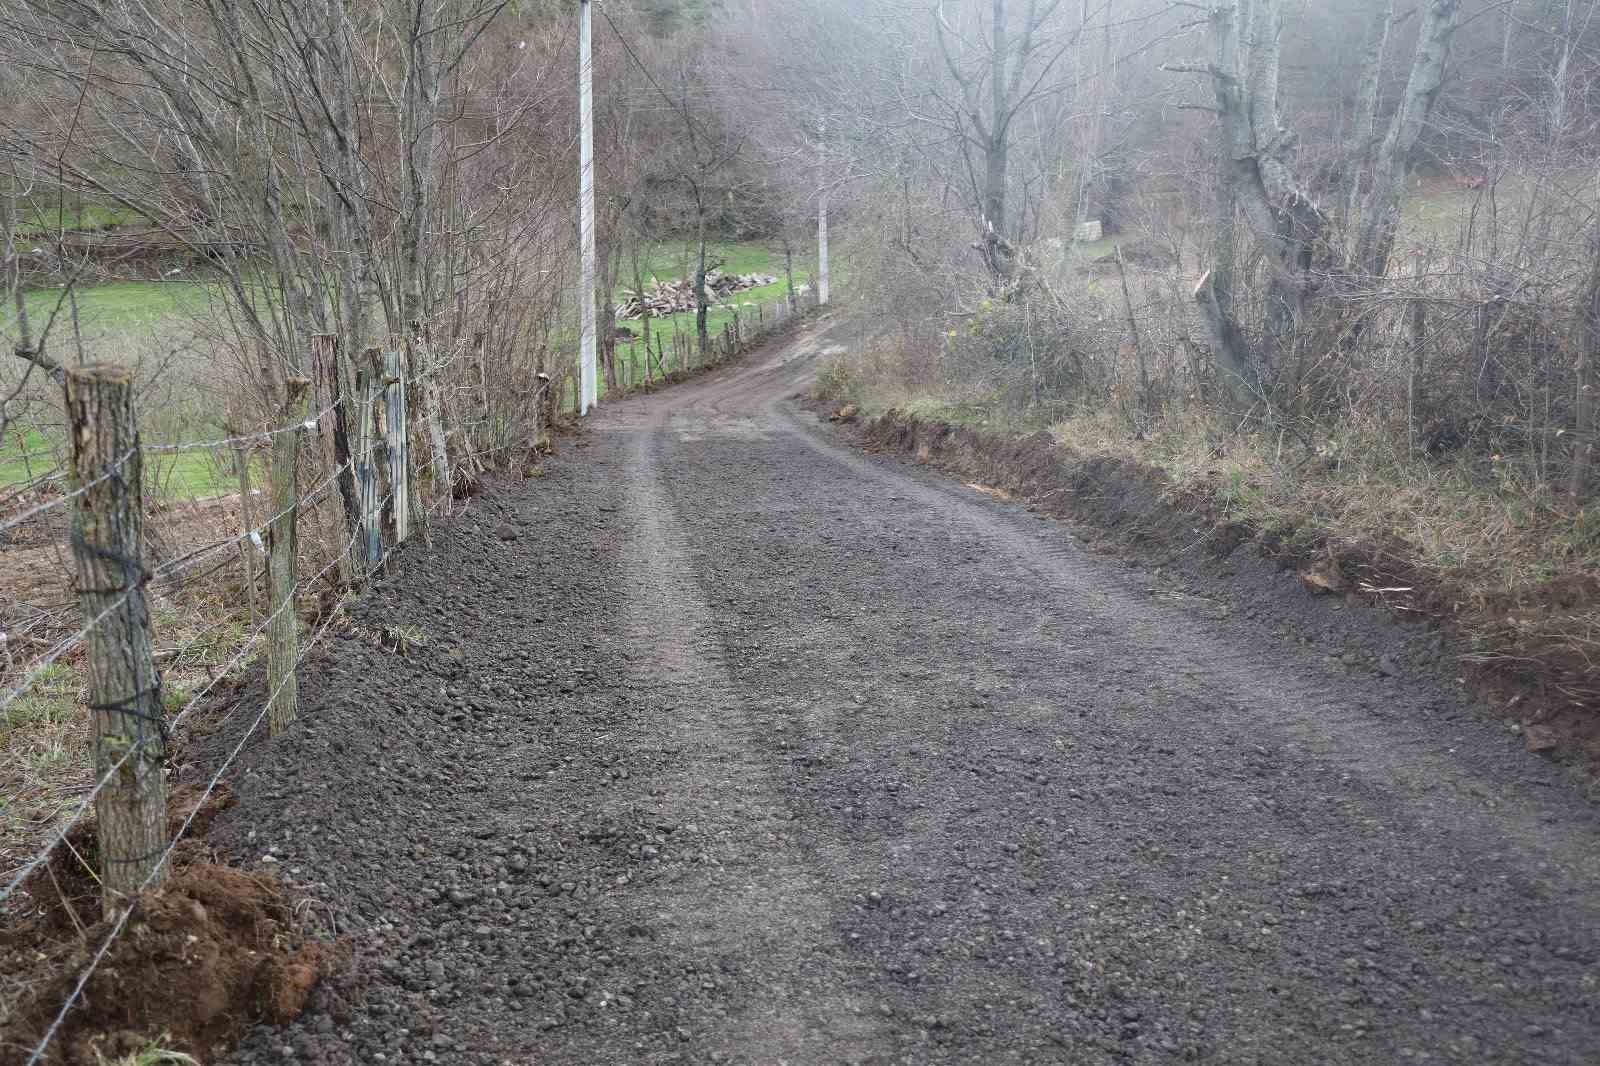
87, 217
671, 261
125, 321
175, 475
677, 260
1437, 207
109, 308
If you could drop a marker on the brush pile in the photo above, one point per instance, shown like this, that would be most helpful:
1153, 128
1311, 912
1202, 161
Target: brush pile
662, 298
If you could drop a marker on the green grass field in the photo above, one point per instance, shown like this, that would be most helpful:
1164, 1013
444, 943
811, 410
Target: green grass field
87, 217
110, 315
169, 475
113, 307
677, 260
114, 320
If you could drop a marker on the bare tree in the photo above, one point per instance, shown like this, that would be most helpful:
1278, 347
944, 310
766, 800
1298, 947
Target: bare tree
995, 75
1380, 209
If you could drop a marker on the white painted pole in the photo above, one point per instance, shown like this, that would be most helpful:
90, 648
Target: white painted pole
587, 384
822, 217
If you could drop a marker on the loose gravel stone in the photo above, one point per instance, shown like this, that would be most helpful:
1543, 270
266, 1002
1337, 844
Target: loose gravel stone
749, 747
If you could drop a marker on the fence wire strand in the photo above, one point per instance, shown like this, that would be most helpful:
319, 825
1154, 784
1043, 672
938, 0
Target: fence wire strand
313, 496
246, 647
227, 668
49, 658
116, 468
243, 438
127, 912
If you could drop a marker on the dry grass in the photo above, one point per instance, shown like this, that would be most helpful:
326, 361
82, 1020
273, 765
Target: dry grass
199, 624
1504, 560
1468, 523
1500, 557
44, 762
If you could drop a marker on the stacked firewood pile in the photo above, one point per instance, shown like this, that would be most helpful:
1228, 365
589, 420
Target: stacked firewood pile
662, 298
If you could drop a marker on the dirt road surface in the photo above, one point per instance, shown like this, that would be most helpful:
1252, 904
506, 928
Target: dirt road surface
725, 742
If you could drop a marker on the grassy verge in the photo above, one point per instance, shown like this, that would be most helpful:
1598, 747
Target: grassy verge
1509, 566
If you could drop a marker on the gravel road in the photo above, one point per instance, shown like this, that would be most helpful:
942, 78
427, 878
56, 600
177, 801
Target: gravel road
725, 742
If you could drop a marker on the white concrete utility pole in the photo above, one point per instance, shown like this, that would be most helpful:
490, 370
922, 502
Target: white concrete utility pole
822, 215
587, 383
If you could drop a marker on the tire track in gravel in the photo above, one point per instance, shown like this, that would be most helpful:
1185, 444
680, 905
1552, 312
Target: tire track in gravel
1321, 725
1370, 798
741, 746
754, 898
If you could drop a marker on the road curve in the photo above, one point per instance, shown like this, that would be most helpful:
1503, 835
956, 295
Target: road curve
734, 744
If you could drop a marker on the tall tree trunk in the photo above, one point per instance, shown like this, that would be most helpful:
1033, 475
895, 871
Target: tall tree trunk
1380, 210
701, 300
420, 163
995, 172
1362, 140
350, 220
1214, 294
420, 129
1258, 155
996, 160
788, 267
1587, 342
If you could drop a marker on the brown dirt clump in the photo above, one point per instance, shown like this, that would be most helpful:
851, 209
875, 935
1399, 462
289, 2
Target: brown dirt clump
211, 952
1526, 652
62, 896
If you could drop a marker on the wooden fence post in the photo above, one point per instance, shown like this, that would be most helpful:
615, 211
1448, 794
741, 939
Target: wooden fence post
334, 432
247, 546
283, 628
394, 416
124, 689
368, 541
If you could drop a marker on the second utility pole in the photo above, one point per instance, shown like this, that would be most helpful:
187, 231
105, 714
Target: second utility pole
587, 383
822, 212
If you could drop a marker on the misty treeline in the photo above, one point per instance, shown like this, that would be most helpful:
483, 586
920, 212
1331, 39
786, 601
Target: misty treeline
1374, 219
401, 174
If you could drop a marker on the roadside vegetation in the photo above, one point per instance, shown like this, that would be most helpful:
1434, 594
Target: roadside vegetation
182, 237
1393, 380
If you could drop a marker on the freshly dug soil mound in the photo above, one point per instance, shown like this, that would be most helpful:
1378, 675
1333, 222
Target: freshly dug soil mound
210, 953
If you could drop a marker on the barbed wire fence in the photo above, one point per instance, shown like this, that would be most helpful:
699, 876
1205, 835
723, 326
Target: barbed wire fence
365, 437
674, 350
130, 722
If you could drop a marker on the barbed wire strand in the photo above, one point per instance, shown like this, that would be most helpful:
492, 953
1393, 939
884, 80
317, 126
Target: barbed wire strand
243, 438
116, 468
16, 490
176, 654
165, 571
69, 642
49, 659
312, 496
161, 861
44, 854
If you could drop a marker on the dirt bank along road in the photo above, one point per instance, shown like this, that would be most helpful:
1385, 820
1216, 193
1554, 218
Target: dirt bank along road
729, 743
